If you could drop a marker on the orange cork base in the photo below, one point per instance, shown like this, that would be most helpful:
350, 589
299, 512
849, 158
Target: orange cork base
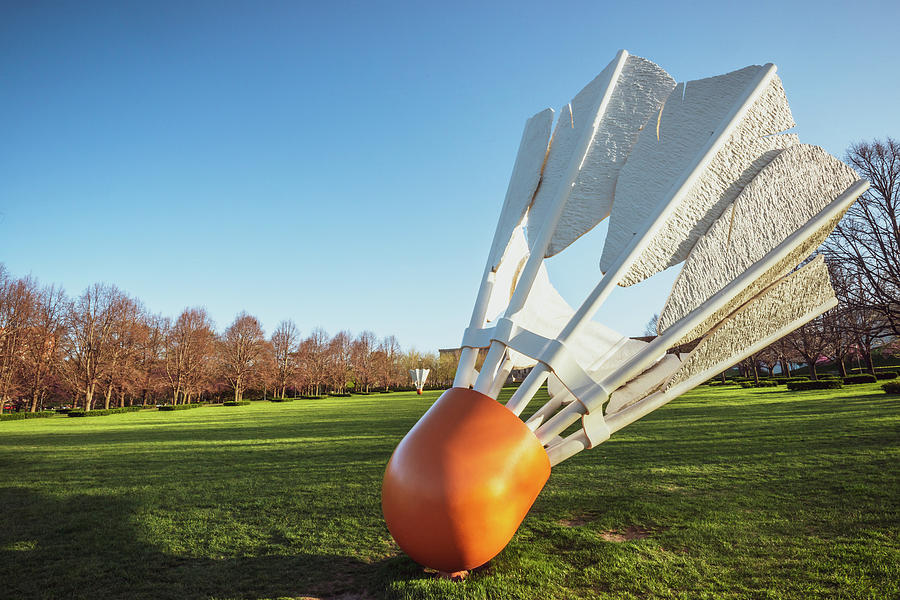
419, 392
461, 481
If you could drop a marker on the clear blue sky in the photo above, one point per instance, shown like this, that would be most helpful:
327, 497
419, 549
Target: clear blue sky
343, 164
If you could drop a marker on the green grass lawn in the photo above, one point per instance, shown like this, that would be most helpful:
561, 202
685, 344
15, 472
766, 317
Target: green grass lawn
757, 493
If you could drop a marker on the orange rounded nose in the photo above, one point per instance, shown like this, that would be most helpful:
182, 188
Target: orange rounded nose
461, 481
419, 392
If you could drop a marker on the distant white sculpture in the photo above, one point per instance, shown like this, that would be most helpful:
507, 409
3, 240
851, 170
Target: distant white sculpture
699, 173
419, 376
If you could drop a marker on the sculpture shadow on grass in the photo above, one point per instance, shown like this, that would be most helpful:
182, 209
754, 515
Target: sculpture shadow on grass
86, 546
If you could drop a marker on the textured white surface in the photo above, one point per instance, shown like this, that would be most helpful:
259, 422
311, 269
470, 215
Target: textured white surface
636, 97
788, 302
644, 384
524, 180
657, 166
806, 247
793, 188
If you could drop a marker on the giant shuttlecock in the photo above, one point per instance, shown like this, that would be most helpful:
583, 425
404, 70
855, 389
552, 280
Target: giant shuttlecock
418, 377
698, 173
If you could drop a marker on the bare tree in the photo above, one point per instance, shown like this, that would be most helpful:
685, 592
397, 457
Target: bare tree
811, 342
285, 344
855, 325
121, 374
786, 355
445, 370
749, 366
390, 370
149, 358
314, 352
867, 241
241, 351
43, 341
362, 360
769, 358
17, 300
339, 361
650, 327
90, 338
189, 344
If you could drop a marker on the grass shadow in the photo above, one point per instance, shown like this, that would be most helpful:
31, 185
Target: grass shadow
49, 548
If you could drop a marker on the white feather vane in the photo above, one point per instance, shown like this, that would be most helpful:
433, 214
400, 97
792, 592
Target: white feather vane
794, 187
636, 95
523, 182
713, 136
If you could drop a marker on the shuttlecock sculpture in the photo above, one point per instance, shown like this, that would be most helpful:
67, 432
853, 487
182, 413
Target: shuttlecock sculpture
418, 377
698, 173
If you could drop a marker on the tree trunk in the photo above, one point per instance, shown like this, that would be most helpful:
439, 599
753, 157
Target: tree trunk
812, 369
755, 374
787, 366
89, 397
870, 366
842, 367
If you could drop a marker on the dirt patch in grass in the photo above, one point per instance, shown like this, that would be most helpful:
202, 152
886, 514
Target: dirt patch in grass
623, 534
628, 534
576, 521
457, 575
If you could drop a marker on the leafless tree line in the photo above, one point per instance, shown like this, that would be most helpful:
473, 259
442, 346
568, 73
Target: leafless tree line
104, 349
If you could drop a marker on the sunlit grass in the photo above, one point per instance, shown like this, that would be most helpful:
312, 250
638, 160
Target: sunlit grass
757, 493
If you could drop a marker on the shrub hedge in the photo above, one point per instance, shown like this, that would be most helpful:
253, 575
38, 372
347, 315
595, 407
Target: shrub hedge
236, 403
281, 399
822, 384
864, 378
762, 383
18, 416
783, 380
886, 375
892, 387
856, 371
103, 411
168, 407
